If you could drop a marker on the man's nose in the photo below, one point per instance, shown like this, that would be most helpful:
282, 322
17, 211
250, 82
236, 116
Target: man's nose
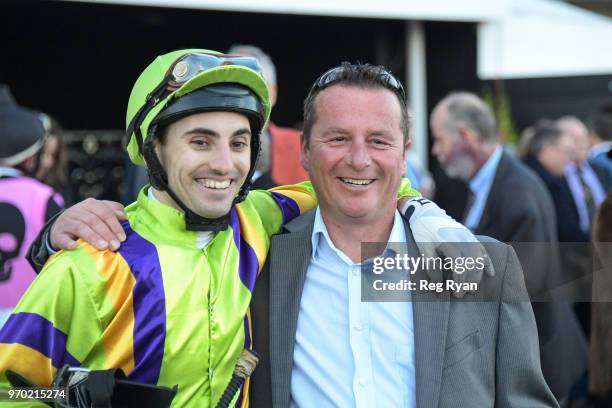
222, 160
358, 156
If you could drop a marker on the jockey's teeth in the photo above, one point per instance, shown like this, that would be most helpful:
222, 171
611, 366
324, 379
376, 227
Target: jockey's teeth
218, 184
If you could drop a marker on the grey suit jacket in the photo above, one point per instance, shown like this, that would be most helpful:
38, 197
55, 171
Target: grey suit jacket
468, 354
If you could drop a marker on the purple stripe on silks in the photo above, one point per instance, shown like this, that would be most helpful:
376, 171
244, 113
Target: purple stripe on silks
248, 265
247, 333
38, 333
240, 396
149, 306
289, 208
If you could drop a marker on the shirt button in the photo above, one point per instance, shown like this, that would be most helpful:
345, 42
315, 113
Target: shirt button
362, 382
358, 327
355, 271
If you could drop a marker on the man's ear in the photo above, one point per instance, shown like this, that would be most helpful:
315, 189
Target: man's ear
304, 152
468, 137
405, 155
159, 150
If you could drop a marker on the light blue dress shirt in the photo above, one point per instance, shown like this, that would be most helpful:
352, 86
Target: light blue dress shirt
350, 353
480, 185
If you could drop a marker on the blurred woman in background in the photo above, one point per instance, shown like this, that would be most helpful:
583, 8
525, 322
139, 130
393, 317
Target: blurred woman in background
53, 167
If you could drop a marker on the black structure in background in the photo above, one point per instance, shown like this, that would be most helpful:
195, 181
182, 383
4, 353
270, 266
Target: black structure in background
451, 66
96, 166
78, 62
532, 99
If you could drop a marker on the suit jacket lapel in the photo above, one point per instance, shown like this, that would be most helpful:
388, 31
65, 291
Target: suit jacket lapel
486, 211
430, 317
289, 259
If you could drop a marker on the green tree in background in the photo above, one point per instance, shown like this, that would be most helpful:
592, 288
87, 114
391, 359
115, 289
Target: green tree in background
500, 103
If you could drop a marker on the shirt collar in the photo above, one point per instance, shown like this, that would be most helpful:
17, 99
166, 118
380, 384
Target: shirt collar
487, 172
10, 172
320, 236
599, 148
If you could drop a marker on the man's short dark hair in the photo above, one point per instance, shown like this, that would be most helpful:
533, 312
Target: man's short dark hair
600, 122
366, 76
545, 133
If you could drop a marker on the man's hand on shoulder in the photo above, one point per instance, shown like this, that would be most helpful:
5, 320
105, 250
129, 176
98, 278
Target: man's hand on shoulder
439, 235
95, 221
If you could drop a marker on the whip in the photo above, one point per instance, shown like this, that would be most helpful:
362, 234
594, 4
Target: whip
244, 368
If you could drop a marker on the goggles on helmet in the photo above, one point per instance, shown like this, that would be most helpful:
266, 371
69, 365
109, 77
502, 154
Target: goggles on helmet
190, 65
180, 72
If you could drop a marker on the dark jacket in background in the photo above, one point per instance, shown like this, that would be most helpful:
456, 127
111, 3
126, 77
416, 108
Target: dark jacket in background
520, 209
567, 218
604, 176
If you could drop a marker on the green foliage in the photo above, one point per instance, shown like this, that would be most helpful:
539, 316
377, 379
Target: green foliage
500, 104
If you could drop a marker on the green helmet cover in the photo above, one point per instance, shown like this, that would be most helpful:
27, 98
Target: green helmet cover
155, 73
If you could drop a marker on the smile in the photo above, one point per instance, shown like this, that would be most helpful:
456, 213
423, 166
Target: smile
214, 184
356, 182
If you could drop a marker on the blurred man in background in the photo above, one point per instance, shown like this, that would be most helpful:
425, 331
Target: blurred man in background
557, 152
586, 182
548, 153
510, 203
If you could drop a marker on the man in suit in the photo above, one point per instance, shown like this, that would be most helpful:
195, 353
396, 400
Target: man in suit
510, 203
549, 154
587, 181
320, 344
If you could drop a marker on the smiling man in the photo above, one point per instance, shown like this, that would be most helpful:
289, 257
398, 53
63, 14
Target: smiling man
321, 344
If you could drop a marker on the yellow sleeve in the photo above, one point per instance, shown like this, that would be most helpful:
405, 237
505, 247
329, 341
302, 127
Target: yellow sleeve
54, 323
